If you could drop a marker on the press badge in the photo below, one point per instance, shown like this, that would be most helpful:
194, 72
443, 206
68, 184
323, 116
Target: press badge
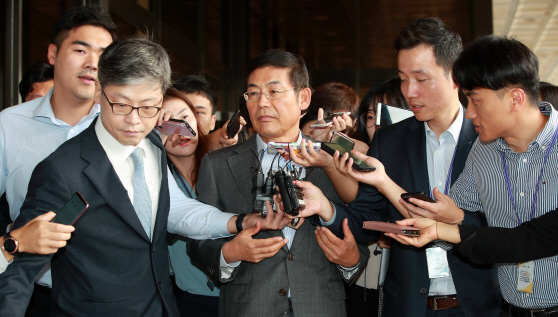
437, 262
525, 273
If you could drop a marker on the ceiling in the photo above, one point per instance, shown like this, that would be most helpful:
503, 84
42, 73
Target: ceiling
534, 23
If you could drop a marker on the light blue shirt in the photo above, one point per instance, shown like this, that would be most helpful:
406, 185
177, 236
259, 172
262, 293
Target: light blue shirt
188, 277
439, 155
29, 132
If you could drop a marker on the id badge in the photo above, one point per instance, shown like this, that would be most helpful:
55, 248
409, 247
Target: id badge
437, 262
525, 273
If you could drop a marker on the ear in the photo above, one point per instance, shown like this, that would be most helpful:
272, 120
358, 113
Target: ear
304, 96
213, 119
455, 85
98, 94
518, 99
51, 54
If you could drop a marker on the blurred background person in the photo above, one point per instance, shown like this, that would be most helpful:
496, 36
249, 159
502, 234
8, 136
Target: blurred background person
549, 93
36, 81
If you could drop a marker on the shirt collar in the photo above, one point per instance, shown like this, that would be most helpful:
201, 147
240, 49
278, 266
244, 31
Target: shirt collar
454, 129
44, 110
116, 152
263, 146
544, 138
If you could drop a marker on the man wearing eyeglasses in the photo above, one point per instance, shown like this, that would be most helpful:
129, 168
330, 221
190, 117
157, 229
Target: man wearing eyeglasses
296, 279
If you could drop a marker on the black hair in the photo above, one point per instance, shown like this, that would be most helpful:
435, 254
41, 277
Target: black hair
277, 58
549, 93
79, 16
198, 85
496, 62
434, 33
37, 73
332, 97
388, 91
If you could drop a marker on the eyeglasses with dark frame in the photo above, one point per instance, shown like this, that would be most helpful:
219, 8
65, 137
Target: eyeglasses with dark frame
123, 109
272, 94
368, 119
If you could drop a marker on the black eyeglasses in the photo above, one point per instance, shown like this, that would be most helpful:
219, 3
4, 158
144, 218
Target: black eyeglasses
368, 119
123, 109
252, 96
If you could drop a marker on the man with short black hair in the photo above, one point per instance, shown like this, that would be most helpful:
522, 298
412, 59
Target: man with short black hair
203, 96
421, 154
36, 81
511, 172
31, 131
293, 276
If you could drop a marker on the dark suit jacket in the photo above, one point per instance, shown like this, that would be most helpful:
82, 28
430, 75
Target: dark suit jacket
402, 149
535, 239
260, 289
109, 267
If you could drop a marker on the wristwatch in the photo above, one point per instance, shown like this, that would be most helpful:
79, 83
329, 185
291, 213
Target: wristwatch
11, 245
239, 221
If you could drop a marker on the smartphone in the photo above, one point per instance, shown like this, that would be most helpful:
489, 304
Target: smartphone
358, 164
342, 140
175, 126
417, 195
391, 227
272, 147
327, 121
72, 210
386, 114
233, 125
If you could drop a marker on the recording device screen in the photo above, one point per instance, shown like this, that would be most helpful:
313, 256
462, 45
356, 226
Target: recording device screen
358, 164
175, 126
386, 114
342, 140
72, 210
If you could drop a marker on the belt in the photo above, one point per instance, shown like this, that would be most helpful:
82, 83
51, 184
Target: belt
43, 289
515, 311
443, 302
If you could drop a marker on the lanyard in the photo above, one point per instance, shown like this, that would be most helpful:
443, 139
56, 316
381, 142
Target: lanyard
507, 177
175, 172
448, 178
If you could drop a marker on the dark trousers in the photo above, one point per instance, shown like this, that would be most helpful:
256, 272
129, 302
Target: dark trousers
39, 306
361, 301
450, 312
197, 305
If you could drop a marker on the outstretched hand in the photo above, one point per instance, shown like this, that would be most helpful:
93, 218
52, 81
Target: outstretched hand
343, 252
245, 248
42, 236
427, 228
443, 210
314, 201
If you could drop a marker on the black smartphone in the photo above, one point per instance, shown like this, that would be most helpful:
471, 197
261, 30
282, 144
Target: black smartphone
327, 120
233, 125
72, 210
418, 195
358, 164
176, 126
342, 140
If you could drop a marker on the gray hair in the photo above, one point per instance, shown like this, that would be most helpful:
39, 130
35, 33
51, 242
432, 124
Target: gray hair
135, 61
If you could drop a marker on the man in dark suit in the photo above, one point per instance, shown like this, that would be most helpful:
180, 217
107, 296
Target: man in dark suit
296, 278
421, 153
116, 262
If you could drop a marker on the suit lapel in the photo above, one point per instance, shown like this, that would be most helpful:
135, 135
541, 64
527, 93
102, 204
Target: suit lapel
103, 176
467, 137
416, 152
241, 167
